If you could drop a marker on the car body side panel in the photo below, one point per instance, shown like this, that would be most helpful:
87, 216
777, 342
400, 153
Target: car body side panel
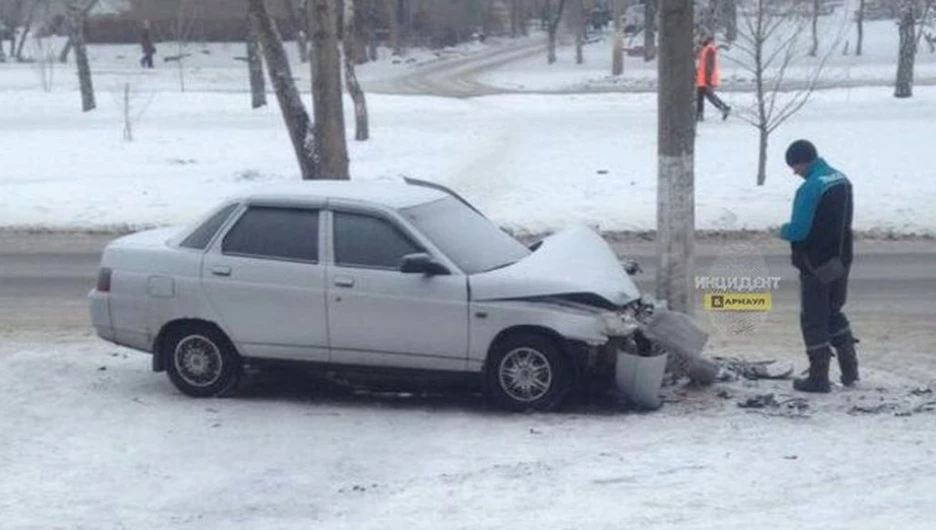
150, 286
490, 319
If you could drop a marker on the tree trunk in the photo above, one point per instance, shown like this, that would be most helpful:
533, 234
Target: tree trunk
579, 22
326, 91
76, 30
298, 24
27, 28
617, 42
859, 21
650, 21
255, 65
553, 29
763, 137
676, 150
394, 22
904, 85
370, 29
3, 57
730, 10
760, 93
290, 101
814, 49
128, 122
63, 56
361, 131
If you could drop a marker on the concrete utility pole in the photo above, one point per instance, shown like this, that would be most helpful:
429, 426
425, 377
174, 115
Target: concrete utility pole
676, 146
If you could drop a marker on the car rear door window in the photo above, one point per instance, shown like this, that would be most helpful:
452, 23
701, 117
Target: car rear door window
370, 242
201, 236
275, 233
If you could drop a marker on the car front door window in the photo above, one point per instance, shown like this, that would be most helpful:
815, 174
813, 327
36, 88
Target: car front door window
362, 241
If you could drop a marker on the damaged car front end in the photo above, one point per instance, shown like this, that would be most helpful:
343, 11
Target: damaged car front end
574, 288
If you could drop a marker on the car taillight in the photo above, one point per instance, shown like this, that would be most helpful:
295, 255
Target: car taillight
104, 280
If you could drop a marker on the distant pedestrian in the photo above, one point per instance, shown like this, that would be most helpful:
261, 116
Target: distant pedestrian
708, 78
149, 49
820, 233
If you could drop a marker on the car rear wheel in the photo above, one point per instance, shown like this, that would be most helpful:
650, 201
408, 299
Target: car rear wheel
527, 372
201, 361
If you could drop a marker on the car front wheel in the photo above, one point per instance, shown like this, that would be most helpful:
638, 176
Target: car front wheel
200, 361
527, 372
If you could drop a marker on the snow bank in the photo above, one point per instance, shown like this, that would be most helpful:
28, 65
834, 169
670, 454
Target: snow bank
532, 162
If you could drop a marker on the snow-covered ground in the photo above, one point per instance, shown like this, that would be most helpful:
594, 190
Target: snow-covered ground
533, 162
877, 64
91, 438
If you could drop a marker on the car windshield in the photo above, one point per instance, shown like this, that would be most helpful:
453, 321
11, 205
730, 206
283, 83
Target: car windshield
467, 238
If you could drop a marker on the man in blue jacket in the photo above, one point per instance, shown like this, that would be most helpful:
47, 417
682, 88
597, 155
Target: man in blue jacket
820, 235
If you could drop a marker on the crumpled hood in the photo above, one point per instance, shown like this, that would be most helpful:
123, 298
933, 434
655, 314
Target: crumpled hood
575, 261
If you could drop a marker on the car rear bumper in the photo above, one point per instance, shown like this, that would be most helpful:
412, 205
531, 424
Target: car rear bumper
101, 315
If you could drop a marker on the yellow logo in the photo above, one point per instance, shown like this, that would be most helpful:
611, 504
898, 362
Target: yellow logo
738, 302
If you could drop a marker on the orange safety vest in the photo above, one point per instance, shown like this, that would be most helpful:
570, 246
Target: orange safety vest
703, 65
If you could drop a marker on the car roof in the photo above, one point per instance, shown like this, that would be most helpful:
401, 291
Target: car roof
395, 195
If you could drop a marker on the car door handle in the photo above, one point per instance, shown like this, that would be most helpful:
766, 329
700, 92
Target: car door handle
344, 281
221, 271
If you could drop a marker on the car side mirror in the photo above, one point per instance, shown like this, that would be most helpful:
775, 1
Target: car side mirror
422, 263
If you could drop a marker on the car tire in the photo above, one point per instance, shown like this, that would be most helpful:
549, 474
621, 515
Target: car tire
200, 361
525, 372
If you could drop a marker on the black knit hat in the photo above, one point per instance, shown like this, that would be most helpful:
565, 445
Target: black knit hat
801, 152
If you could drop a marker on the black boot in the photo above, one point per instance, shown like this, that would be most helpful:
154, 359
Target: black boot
848, 361
818, 380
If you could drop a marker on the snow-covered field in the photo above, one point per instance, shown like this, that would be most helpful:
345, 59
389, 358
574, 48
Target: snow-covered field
91, 438
533, 162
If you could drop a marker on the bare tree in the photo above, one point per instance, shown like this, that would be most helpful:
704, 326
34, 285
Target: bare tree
183, 27
814, 49
30, 12
553, 28
676, 152
911, 14
769, 44
44, 58
361, 131
371, 11
326, 90
617, 41
650, 22
301, 130
299, 19
393, 21
76, 10
132, 104
859, 22
578, 21
729, 13
69, 45
255, 65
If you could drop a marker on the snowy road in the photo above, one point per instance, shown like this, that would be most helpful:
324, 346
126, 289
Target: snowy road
44, 280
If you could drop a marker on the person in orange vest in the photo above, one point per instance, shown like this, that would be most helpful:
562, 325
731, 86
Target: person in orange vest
708, 77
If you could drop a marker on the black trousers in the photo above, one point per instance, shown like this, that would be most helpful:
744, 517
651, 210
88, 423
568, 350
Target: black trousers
703, 93
147, 60
821, 318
